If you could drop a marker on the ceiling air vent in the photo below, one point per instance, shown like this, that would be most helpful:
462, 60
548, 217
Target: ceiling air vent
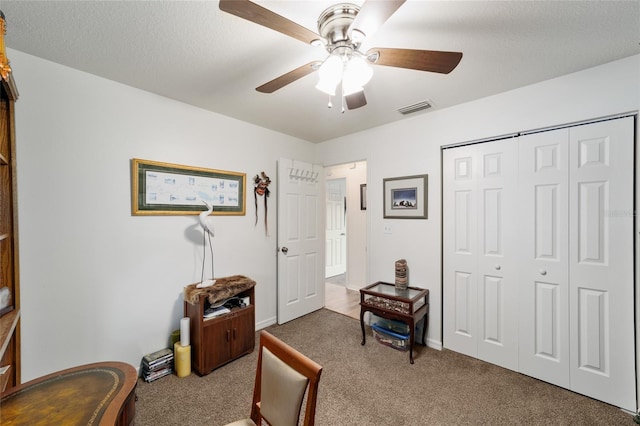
420, 106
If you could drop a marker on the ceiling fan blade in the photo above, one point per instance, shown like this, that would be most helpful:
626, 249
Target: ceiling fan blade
290, 77
421, 60
373, 14
250, 11
355, 100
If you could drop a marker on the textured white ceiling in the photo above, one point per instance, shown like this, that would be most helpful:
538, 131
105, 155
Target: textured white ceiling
193, 52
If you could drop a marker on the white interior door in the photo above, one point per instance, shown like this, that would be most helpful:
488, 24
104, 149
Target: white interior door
497, 253
460, 169
336, 227
601, 262
480, 272
300, 239
544, 251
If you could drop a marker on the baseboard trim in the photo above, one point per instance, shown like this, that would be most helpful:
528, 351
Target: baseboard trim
266, 323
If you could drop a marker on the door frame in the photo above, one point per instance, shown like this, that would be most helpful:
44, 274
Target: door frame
357, 274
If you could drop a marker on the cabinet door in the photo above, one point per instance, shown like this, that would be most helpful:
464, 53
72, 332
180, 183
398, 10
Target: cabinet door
243, 332
216, 346
227, 338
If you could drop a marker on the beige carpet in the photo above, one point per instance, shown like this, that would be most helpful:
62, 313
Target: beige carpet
376, 385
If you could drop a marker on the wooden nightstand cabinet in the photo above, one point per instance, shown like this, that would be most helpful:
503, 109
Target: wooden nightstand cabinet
217, 341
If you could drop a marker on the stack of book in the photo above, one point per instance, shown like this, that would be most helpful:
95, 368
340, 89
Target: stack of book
157, 364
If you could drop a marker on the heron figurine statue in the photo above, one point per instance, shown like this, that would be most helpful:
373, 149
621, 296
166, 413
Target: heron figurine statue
207, 228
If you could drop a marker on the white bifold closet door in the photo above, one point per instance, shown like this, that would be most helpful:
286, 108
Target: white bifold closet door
601, 262
543, 185
573, 251
481, 262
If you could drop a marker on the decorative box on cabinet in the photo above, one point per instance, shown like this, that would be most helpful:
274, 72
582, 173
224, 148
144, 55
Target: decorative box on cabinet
217, 341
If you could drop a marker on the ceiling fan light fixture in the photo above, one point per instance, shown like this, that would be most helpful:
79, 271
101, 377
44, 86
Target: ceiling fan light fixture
327, 88
335, 21
357, 73
330, 74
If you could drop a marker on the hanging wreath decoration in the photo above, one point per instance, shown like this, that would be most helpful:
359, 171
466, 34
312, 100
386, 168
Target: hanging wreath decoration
261, 188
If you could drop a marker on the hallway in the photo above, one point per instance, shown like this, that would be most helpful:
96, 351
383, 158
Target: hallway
341, 299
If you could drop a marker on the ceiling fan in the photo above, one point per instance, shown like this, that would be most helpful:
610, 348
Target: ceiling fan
342, 28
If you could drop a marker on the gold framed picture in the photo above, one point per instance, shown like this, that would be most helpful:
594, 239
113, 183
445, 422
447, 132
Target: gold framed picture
173, 189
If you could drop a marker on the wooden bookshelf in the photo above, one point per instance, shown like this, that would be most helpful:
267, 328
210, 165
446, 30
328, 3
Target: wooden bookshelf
9, 265
8, 324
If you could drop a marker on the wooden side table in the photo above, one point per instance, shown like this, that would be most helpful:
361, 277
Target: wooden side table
409, 306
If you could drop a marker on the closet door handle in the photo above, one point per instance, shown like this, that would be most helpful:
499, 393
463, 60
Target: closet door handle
498, 267
543, 272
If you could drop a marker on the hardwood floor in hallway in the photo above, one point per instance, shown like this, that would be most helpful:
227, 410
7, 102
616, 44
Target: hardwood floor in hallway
343, 300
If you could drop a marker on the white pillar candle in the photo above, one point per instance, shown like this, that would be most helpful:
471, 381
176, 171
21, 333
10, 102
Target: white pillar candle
184, 331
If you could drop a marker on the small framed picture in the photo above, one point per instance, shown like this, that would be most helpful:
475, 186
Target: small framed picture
363, 196
405, 197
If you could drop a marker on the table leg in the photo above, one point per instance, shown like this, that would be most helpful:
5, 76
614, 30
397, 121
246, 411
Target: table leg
424, 329
362, 326
411, 339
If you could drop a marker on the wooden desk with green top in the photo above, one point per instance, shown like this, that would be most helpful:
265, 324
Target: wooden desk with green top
94, 394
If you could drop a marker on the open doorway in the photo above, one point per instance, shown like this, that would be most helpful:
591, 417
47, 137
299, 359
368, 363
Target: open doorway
336, 229
346, 236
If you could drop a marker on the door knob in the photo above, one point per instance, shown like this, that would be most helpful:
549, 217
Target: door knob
284, 250
543, 272
498, 267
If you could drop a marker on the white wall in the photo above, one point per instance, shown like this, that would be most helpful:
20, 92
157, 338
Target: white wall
96, 282
412, 147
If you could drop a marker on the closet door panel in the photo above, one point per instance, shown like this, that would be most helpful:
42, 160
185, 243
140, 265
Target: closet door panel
460, 251
543, 256
601, 262
497, 257
480, 267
